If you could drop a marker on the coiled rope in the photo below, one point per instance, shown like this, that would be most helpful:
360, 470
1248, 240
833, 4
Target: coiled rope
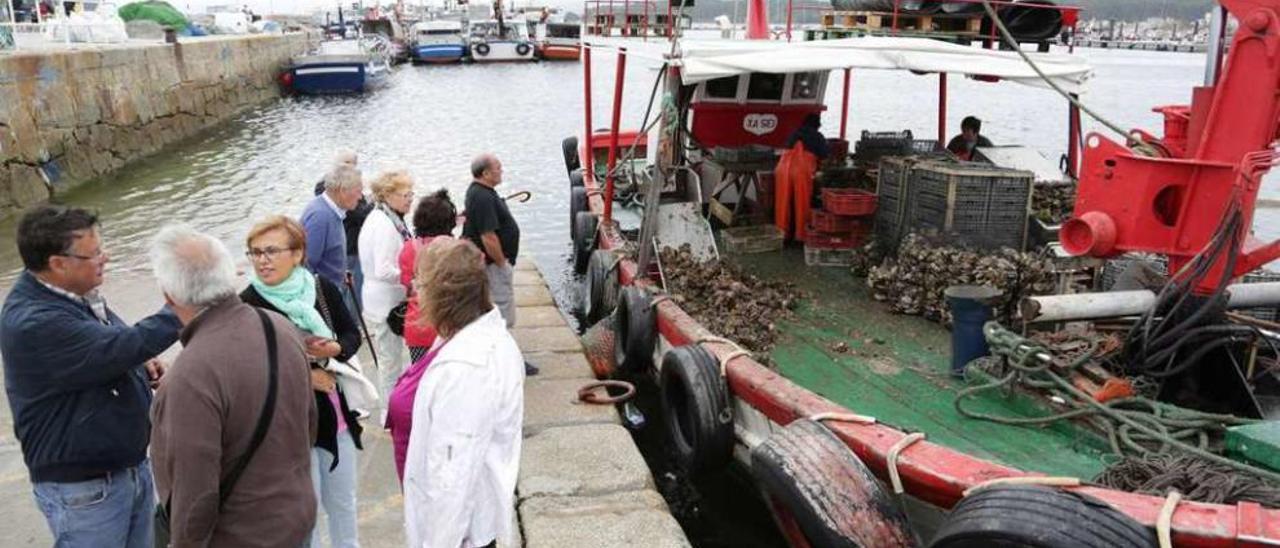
1127, 421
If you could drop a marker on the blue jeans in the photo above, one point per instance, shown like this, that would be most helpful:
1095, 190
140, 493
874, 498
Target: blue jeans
336, 493
117, 510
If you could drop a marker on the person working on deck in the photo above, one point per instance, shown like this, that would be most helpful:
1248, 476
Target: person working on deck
970, 138
794, 176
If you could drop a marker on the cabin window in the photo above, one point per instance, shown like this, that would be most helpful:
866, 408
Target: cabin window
765, 87
805, 86
722, 88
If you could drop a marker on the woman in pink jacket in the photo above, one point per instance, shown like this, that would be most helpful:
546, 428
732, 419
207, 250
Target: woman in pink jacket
434, 217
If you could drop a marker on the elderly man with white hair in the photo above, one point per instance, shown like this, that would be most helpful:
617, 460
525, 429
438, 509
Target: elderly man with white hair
234, 420
323, 219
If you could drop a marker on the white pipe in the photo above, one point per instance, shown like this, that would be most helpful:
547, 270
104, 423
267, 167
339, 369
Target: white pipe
1092, 306
13, 16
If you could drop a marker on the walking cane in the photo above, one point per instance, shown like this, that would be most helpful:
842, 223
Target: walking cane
368, 339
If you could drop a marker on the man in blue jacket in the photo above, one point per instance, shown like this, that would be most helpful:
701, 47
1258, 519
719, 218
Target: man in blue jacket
78, 380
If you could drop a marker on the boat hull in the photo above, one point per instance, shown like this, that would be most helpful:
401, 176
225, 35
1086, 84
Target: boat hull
335, 78
934, 475
439, 53
555, 52
502, 51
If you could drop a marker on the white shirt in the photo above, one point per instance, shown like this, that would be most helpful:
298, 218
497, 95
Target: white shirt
464, 449
342, 213
380, 245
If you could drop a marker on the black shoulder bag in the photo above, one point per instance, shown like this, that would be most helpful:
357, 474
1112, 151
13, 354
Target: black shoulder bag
259, 433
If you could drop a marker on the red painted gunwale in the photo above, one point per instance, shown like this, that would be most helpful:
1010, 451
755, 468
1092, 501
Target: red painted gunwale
933, 473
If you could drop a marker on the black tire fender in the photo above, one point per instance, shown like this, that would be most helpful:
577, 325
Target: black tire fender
696, 409
635, 331
575, 178
584, 240
522, 49
481, 49
577, 204
811, 477
569, 146
1036, 516
600, 295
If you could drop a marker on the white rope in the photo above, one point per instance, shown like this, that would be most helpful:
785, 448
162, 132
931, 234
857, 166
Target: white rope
842, 417
659, 300
894, 478
1053, 481
738, 352
1165, 519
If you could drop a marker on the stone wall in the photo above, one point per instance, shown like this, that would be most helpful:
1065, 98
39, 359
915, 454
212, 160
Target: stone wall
70, 116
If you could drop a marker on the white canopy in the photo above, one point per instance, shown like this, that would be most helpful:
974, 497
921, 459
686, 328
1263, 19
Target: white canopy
707, 59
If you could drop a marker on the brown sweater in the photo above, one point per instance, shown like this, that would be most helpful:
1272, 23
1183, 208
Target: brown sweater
204, 416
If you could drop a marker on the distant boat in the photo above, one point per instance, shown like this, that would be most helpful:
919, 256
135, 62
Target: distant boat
563, 41
339, 66
439, 41
506, 42
393, 31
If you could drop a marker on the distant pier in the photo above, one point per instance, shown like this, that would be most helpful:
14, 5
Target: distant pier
1141, 45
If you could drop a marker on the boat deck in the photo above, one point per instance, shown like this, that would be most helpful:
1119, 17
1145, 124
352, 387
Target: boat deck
897, 370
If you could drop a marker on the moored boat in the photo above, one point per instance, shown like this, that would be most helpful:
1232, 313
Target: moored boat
338, 66
723, 403
563, 42
496, 40
438, 41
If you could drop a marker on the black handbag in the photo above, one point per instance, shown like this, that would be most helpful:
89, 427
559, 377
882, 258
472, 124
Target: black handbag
259, 433
395, 318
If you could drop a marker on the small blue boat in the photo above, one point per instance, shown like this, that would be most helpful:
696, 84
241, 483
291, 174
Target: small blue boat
439, 41
339, 66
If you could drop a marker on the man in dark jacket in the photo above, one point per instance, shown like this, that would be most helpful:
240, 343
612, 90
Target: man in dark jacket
77, 379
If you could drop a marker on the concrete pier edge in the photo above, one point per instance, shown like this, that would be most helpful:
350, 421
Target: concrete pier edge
582, 482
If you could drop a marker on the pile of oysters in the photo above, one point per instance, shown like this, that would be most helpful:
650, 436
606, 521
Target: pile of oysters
914, 281
729, 302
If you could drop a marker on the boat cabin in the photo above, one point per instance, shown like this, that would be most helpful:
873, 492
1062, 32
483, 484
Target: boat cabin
758, 108
439, 31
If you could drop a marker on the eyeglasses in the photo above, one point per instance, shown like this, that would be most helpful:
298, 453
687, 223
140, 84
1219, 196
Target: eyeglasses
97, 256
270, 253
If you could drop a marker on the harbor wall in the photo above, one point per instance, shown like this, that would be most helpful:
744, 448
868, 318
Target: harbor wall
70, 115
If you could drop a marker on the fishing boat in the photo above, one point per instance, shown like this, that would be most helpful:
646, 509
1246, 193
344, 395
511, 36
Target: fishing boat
561, 42
438, 41
337, 67
496, 40
391, 29
857, 424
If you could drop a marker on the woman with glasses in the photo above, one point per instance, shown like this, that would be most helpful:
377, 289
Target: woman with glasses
277, 249
381, 239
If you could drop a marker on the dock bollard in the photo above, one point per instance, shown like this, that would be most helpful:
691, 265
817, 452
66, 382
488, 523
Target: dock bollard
970, 308
170, 36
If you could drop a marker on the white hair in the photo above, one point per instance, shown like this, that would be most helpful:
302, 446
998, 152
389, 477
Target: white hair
346, 157
194, 269
342, 177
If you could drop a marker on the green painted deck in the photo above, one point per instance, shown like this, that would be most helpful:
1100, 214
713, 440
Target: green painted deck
897, 370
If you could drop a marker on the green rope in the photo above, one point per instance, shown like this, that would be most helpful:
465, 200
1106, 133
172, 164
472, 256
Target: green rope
1126, 422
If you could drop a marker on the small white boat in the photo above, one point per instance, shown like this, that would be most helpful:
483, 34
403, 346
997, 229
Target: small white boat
508, 41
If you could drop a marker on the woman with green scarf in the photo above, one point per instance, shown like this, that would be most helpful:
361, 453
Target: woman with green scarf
277, 248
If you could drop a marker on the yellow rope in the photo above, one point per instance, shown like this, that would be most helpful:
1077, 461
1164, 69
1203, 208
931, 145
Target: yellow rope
1165, 520
905, 442
1055, 481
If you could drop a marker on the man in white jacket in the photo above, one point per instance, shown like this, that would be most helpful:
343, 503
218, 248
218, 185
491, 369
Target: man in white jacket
464, 448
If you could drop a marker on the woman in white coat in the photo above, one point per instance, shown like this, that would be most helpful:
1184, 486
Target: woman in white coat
464, 444
381, 238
